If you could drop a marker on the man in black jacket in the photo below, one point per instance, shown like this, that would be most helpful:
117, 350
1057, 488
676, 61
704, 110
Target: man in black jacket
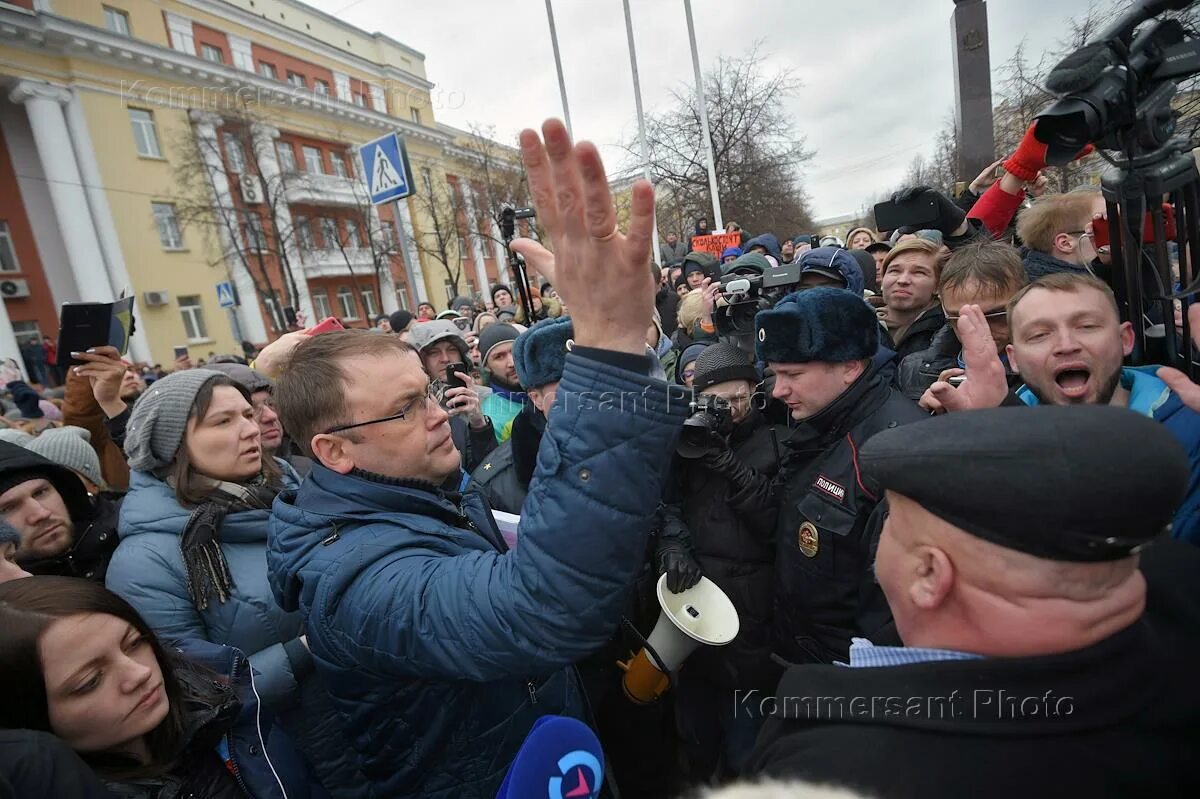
911, 312
986, 274
1050, 629
820, 343
63, 530
720, 480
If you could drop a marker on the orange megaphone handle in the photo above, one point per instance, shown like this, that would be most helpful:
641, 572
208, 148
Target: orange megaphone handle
643, 683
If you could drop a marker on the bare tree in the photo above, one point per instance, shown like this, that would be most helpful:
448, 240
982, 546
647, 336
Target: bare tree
757, 154
498, 179
443, 208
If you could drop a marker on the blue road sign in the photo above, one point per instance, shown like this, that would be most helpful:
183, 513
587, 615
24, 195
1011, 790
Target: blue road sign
385, 167
225, 294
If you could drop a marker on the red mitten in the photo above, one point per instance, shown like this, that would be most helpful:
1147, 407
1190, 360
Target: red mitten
1030, 157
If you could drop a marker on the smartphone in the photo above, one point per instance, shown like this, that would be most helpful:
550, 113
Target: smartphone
918, 212
452, 375
1100, 227
289, 316
326, 325
83, 325
957, 381
181, 352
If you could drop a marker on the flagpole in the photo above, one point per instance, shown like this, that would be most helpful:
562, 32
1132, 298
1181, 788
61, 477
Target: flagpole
562, 85
641, 119
718, 223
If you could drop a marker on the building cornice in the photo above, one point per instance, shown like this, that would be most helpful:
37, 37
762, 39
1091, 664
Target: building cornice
50, 34
241, 16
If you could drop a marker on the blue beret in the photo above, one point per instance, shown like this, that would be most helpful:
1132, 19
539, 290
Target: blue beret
540, 352
821, 324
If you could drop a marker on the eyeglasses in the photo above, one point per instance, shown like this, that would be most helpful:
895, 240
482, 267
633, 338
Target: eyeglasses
403, 413
990, 316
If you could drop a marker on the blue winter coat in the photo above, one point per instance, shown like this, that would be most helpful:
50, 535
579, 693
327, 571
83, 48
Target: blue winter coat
147, 571
1150, 396
442, 648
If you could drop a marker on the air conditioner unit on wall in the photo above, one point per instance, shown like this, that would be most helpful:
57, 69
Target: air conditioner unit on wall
14, 288
251, 189
152, 298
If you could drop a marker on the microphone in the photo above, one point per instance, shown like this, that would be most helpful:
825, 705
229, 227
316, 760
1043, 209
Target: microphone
1080, 69
561, 758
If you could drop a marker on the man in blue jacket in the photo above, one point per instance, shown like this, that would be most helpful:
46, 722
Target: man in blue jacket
1068, 343
441, 646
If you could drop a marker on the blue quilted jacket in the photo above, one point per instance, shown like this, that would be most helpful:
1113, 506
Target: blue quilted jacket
441, 647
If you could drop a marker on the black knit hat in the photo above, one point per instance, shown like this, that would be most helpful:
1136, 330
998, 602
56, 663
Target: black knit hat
399, 320
721, 362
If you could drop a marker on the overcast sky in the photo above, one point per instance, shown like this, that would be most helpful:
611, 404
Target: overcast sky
877, 74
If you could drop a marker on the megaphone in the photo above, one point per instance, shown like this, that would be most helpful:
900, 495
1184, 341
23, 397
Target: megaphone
700, 615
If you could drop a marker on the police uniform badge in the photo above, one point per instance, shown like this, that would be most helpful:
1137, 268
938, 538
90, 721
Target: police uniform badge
808, 540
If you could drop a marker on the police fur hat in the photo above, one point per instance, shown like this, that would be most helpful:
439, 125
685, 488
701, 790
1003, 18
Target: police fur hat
541, 351
821, 324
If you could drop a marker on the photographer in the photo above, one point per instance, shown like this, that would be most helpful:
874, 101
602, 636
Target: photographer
719, 484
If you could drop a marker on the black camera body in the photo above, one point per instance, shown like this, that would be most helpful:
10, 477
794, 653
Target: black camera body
748, 292
711, 418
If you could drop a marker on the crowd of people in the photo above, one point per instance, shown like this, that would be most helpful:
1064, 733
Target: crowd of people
957, 528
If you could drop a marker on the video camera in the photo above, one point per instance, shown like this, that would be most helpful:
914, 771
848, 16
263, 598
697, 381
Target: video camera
1116, 93
711, 417
746, 292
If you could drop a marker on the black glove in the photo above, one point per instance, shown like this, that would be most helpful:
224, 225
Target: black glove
726, 464
949, 215
681, 568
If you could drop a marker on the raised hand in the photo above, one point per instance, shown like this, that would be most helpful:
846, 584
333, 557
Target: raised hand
1178, 382
104, 369
986, 385
602, 274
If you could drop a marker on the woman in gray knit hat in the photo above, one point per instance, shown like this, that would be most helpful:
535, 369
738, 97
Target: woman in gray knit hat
192, 556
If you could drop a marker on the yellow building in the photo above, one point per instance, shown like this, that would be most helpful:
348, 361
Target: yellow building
168, 147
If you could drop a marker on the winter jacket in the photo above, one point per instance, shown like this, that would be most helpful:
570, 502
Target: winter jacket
669, 255
1039, 264
827, 527
1150, 396
666, 302
473, 445
232, 749
919, 334
95, 520
704, 514
1116, 719
147, 570
81, 409
38, 764
504, 476
440, 646
920, 370
768, 242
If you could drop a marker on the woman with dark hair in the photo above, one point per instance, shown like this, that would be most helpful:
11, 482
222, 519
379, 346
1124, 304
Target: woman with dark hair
152, 722
193, 552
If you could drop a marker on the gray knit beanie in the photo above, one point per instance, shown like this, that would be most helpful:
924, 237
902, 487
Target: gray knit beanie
160, 418
14, 436
69, 446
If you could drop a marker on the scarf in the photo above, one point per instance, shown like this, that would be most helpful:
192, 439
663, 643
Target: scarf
199, 544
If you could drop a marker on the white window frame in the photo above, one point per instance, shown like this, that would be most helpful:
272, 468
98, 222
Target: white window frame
268, 70
370, 307
194, 326
8, 250
341, 84
276, 312
253, 231
167, 222
346, 302
235, 156
378, 101
360, 100
116, 20
145, 133
183, 38
308, 151
212, 53
330, 233
353, 237
450, 293
339, 165
297, 79
414, 113
321, 307
285, 153
402, 297
320, 87
243, 55
304, 235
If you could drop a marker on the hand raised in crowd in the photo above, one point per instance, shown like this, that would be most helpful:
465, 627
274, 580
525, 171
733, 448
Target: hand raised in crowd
272, 357
575, 207
710, 290
986, 385
104, 369
1039, 186
1176, 380
184, 363
985, 178
465, 402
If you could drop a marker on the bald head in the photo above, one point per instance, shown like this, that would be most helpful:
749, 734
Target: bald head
949, 589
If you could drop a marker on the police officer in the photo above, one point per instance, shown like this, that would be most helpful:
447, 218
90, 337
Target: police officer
719, 483
1050, 628
821, 344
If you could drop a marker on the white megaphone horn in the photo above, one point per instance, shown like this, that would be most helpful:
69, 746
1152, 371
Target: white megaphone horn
700, 615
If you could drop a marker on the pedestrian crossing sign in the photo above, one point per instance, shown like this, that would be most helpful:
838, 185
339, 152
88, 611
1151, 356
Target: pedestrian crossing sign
225, 295
385, 168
